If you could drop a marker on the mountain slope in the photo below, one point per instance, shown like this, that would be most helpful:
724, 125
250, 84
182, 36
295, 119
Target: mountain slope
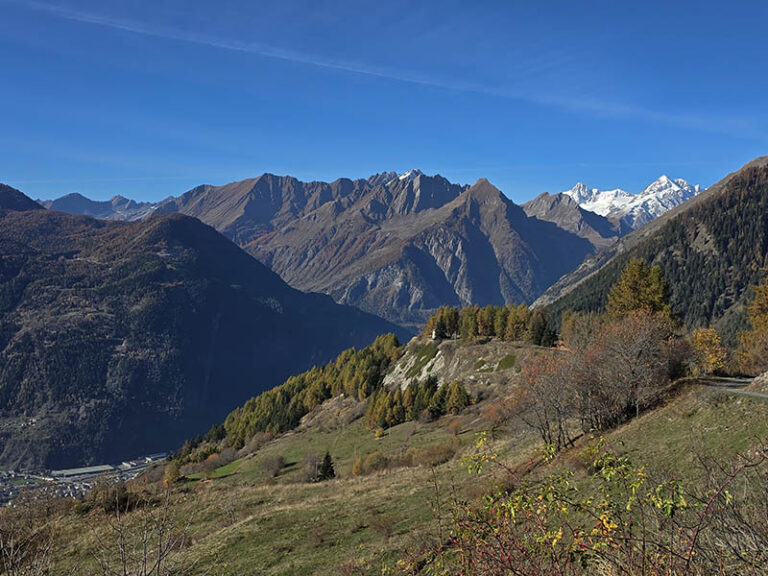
565, 212
710, 249
405, 249
14, 200
118, 339
118, 208
402, 245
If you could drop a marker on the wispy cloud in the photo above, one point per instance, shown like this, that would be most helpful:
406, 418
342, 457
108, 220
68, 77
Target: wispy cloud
227, 44
742, 127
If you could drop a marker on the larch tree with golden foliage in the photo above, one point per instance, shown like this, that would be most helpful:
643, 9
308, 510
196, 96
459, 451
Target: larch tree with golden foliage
641, 288
753, 343
710, 355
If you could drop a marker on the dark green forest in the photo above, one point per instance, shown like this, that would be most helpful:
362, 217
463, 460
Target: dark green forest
709, 255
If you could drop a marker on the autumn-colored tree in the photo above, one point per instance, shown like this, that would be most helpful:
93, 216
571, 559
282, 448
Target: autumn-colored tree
639, 288
709, 353
456, 398
500, 323
629, 357
753, 343
444, 323
578, 328
546, 401
468, 322
172, 473
517, 322
486, 321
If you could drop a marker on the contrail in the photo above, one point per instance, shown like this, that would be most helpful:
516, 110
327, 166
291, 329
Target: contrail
740, 127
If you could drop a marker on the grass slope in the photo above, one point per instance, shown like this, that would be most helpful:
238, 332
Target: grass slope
243, 522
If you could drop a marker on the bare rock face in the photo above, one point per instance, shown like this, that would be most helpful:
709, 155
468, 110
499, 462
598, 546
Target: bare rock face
397, 246
404, 249
564, 211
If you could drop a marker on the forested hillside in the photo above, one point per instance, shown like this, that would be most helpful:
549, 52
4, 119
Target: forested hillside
710, 251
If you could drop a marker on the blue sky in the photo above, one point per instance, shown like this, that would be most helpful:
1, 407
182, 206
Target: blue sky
148, 99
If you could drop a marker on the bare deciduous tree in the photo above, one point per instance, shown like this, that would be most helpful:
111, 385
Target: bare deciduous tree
27, 537
147, 541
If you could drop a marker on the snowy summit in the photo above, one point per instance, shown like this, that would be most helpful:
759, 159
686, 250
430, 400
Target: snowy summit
661, 195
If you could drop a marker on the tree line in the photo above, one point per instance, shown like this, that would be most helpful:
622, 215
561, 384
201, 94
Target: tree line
425, 400
513, 323
356, 373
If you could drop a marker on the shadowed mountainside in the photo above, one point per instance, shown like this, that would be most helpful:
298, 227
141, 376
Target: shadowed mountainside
397, 246
118, 339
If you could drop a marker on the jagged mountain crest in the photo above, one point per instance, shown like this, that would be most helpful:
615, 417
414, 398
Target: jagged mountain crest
634, 210
400, 245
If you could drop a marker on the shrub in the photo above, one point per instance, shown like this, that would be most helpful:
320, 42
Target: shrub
506, 363
172, 473
272, 465
375, 461
358, 468
432, 455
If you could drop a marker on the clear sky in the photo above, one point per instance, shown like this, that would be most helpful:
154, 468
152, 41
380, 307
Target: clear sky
150, 98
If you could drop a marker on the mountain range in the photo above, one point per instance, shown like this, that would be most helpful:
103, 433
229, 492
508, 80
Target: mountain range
119, 339
634, 210
401, 245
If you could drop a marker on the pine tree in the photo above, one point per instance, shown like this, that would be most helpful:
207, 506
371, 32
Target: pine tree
326, 471
500, 323
539, 331
486, 320
468, 322
517, 322
437, 402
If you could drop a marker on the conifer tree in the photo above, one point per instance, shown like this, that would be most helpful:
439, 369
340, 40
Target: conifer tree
517, 322
753, 343
468, 322
457, 398
539, 331
500, 323
326, 471
640, 288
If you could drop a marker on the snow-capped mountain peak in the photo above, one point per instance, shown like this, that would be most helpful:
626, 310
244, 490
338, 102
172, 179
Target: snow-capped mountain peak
601, 202
411, 175
582, 193
658, 197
